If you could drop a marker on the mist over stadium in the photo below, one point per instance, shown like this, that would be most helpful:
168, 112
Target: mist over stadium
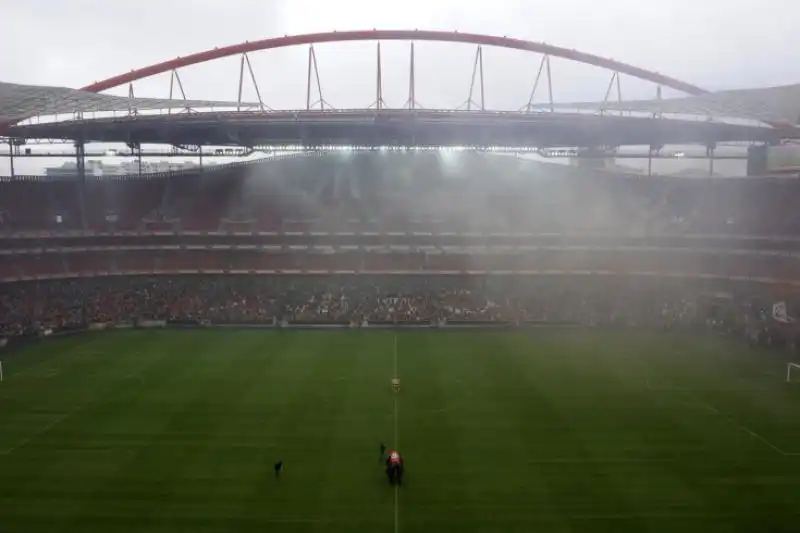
532, 274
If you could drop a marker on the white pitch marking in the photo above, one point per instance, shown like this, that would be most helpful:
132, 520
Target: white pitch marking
396, 441
68, 414
696, 400
44, 429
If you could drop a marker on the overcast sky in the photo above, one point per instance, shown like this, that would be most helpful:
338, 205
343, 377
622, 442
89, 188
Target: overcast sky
712, 43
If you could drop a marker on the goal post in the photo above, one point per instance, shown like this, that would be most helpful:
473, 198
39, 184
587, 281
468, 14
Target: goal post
792, 372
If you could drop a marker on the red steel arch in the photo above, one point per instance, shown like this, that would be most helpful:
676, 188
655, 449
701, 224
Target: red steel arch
395, 35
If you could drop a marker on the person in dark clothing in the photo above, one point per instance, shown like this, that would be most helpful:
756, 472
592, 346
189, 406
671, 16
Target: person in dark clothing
279, 468
382, 457
395, 468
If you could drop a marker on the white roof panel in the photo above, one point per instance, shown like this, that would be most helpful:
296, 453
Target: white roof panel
770, 104
18, 102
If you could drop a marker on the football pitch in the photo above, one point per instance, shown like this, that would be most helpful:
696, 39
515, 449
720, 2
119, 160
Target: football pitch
545, 430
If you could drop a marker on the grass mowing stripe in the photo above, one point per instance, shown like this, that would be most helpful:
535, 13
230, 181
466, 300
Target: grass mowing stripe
519, 431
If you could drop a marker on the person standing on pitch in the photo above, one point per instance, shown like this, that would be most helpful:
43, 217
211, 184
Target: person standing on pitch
383, 453
395, 467
279, 468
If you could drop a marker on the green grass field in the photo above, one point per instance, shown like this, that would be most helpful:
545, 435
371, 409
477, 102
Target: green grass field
557, 431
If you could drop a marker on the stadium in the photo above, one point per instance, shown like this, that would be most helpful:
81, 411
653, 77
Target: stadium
554, 339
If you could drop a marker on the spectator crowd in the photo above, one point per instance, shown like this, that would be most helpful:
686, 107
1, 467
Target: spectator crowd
419, 198
28, 307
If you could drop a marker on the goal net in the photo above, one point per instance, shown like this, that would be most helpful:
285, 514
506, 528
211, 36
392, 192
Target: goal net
793, 373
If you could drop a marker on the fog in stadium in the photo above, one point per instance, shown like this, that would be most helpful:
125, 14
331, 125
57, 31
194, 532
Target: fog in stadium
433, 265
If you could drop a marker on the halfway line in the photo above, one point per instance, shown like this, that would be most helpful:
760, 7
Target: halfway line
395, 402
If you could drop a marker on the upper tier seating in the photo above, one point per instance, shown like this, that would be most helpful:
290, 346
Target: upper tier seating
404, 192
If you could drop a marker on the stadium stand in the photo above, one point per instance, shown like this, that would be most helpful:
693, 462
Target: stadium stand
29, 307
435, 234
427, 192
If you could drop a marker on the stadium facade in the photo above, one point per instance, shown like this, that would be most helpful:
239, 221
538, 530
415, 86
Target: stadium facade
579, 346
370, 192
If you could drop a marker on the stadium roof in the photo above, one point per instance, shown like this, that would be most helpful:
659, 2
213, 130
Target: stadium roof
771, 104
396, 127
18, 102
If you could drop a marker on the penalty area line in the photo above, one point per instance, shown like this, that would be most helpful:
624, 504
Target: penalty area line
733, 422
64, 416
44, 429
703, 404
